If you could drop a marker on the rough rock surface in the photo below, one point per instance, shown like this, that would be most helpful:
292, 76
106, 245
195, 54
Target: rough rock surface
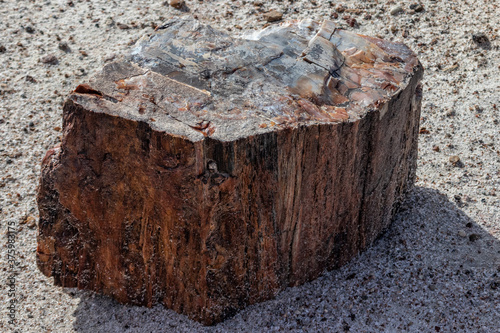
207, 172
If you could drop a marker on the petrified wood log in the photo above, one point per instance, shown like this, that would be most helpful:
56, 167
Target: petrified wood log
207, 172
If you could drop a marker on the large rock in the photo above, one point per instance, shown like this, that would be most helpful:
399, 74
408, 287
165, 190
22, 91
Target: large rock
207, 172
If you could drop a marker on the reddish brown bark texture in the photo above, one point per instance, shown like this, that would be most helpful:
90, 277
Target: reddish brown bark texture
208, 227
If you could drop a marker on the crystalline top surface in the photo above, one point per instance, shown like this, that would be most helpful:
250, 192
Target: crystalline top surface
224, 87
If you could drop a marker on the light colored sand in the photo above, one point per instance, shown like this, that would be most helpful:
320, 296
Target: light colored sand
421, 276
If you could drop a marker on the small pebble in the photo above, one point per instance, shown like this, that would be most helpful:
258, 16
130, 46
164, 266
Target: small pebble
63, 46
177, 4
29, 29
109, 22
455, 160
474, 237
273, 16
418, 8
50, 59
352, 22
396, 10
122, 26
424, 130
450, 68
30, 78
462, 233
31, 223
480, 39
2, 49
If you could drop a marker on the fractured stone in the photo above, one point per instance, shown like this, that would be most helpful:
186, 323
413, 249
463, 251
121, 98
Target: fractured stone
207, 172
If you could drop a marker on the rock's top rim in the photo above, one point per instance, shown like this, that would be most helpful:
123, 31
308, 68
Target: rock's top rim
191, 80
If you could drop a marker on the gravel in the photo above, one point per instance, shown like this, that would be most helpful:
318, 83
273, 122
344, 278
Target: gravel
437, 269
396, 10
273, 16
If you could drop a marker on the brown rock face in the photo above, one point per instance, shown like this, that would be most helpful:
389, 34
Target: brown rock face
207, 172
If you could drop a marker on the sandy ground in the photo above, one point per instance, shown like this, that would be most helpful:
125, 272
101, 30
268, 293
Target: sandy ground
436, 270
